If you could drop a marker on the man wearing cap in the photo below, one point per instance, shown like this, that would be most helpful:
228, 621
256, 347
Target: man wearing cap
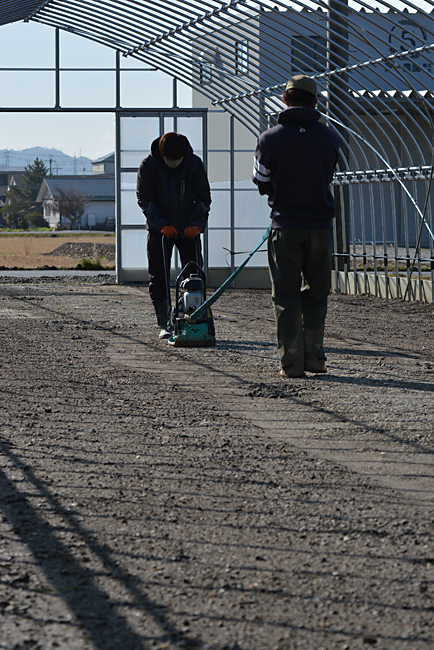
294, 164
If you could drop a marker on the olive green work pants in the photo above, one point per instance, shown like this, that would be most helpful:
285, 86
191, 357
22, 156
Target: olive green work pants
300, 312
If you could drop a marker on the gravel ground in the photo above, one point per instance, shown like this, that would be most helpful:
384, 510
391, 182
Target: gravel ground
158, 497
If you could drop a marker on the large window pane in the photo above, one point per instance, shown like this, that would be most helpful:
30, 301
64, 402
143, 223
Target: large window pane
251, 209
27, 89
78, 52
133, 159
130, 211
220, 213
169, 125
218, 166
133, 249
137, 133
247, 240
39, 40
128, 181
192, 128
218, 240
88, 89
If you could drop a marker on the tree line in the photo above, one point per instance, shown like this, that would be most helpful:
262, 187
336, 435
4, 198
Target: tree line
20, 209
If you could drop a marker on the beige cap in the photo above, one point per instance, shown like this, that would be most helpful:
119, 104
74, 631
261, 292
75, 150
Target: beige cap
302, 82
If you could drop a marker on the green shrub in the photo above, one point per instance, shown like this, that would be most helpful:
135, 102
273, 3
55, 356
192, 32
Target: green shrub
89, 265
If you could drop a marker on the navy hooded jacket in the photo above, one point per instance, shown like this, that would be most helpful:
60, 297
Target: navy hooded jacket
294, 164
177, 197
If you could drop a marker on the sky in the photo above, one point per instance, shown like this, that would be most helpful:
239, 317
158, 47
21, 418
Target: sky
92, 135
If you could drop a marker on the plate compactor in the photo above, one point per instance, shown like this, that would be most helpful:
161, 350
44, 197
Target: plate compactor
190, 294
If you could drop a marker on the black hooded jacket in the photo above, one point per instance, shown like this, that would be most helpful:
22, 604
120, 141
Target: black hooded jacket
294, 164
177, 197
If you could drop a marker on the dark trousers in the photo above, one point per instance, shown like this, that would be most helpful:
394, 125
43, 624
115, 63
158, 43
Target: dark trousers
300, 312
157, 280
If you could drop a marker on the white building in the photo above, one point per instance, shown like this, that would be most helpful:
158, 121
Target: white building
100, 210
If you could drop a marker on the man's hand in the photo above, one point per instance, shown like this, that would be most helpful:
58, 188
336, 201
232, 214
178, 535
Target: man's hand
169, 231
192, 231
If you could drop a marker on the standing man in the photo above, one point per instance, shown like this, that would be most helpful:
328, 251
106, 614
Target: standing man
294, 164
174, 194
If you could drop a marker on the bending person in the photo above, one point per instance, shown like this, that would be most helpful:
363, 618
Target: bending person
174, 195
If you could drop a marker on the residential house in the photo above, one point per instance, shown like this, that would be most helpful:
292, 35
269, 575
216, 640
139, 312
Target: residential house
100, 211
104, 165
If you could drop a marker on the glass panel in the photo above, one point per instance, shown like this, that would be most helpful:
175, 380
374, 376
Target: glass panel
133, 159
78, 52
217, 241
169, 124
218, 135
246, 240
192, 128
251, 209
137, 133
218, 167
244, 167
87, 89
128, 181
131, 214
21, 41
26, 89
220, 214
244, 139
150, 89
133, 249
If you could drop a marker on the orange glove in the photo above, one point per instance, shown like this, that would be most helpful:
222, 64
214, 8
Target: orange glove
192, 231
169, 231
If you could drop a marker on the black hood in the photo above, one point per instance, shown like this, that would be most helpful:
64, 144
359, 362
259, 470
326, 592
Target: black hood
299, 114
155, 151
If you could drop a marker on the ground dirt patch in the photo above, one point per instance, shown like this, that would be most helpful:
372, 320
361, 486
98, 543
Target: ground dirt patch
158, 497
86, 250
63, 250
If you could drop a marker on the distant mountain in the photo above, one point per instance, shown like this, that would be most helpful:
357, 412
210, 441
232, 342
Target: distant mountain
54, 159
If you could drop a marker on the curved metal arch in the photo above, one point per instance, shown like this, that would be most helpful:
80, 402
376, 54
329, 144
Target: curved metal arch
364, 60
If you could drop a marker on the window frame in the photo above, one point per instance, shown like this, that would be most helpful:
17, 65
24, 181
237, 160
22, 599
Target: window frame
242, 57
205, 72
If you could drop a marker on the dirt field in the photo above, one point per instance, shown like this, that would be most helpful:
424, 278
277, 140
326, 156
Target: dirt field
162, 498
26, 251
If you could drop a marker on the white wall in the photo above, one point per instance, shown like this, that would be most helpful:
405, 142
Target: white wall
99, 211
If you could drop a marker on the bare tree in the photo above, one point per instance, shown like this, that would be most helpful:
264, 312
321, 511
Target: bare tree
71, 204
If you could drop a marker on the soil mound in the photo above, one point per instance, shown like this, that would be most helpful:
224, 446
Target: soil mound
87, 250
